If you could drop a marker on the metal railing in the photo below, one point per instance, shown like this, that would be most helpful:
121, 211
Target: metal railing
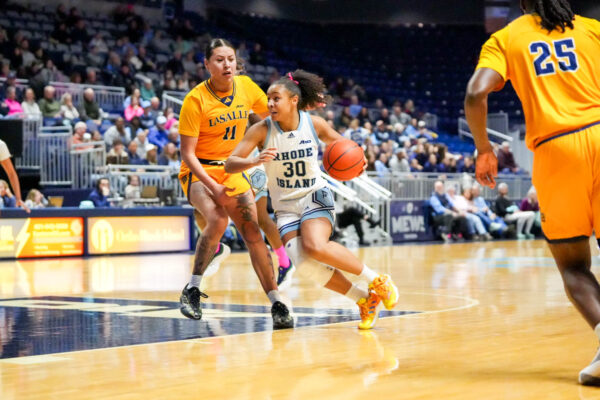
109, 98
30, 156
55, 163
86, 159
419, 186
464, 130
20, 84
174, 102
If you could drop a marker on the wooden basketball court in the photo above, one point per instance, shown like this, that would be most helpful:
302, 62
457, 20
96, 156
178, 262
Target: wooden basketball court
475, 321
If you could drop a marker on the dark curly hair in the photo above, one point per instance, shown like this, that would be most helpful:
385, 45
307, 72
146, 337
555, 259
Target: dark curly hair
555, 14
309, 88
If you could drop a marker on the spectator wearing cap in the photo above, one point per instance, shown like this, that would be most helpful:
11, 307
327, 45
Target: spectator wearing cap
159, 135
148, 118
117, 131
134, 109
11, 103
49, 106
423, 132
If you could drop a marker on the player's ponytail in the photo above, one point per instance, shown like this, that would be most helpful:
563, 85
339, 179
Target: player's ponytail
554, 13
308, 87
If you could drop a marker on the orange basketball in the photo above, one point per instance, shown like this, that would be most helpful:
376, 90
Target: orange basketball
344, 160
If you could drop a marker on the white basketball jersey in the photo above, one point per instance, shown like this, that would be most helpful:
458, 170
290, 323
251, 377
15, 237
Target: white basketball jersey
295, 172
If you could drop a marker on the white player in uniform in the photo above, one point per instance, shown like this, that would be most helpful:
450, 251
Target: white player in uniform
303, 204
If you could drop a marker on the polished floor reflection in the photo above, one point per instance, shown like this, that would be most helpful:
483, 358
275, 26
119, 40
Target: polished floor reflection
475, 321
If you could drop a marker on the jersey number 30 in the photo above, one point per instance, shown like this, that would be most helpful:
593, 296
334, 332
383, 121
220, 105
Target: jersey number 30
565, 55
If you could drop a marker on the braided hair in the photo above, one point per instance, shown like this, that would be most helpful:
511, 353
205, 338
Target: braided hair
554, 13
309, 88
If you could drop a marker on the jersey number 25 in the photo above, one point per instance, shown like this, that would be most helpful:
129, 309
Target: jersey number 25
565, 55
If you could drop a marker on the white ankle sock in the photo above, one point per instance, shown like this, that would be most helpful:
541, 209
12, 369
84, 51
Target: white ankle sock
274, 296
368, 274
597, 331
355, 293
195, 281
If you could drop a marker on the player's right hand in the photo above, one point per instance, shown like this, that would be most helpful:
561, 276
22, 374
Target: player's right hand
220, 196
486, 169
266, 155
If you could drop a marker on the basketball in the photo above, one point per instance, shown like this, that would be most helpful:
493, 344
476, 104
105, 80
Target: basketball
344, 159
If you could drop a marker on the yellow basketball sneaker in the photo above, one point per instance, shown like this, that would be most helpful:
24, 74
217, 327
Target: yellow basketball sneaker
386, 290
369, 310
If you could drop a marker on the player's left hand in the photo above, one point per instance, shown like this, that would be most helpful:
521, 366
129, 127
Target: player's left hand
486, 169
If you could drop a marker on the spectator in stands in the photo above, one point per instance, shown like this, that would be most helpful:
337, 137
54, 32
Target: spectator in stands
61, 34
257, 56
124, 77
415, 166
511, 213
67, 110
134, 157
170, 157
385, 116
170, 115
79, 32
381, 165
356, 133
117, 131
464, 204
423, 132
396, 117
113, 64
493, 223
159, 44
409, 107
399, 162
6, 45
90, 111
35, 199
80, 135
147, 90
132, 190
506, 160
446, 217
468, 165
117, 154
98, 43
91, 78
7, 200
11, 80
49, 106
155, 107
530, 203
148, 118
174, 64
134, 109
159, 135
135, 92
364, 116
355, 106
382, 133
135, 127
100, 195
30, 107
152, 155
432, 164
11, 103
143, 145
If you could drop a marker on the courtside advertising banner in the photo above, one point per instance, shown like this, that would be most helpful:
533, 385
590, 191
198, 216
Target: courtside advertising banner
41, 237
408, 221
114, 235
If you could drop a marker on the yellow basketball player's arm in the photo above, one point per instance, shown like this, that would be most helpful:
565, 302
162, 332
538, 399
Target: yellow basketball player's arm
483, 82
14, 182
324, 131
239, 161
